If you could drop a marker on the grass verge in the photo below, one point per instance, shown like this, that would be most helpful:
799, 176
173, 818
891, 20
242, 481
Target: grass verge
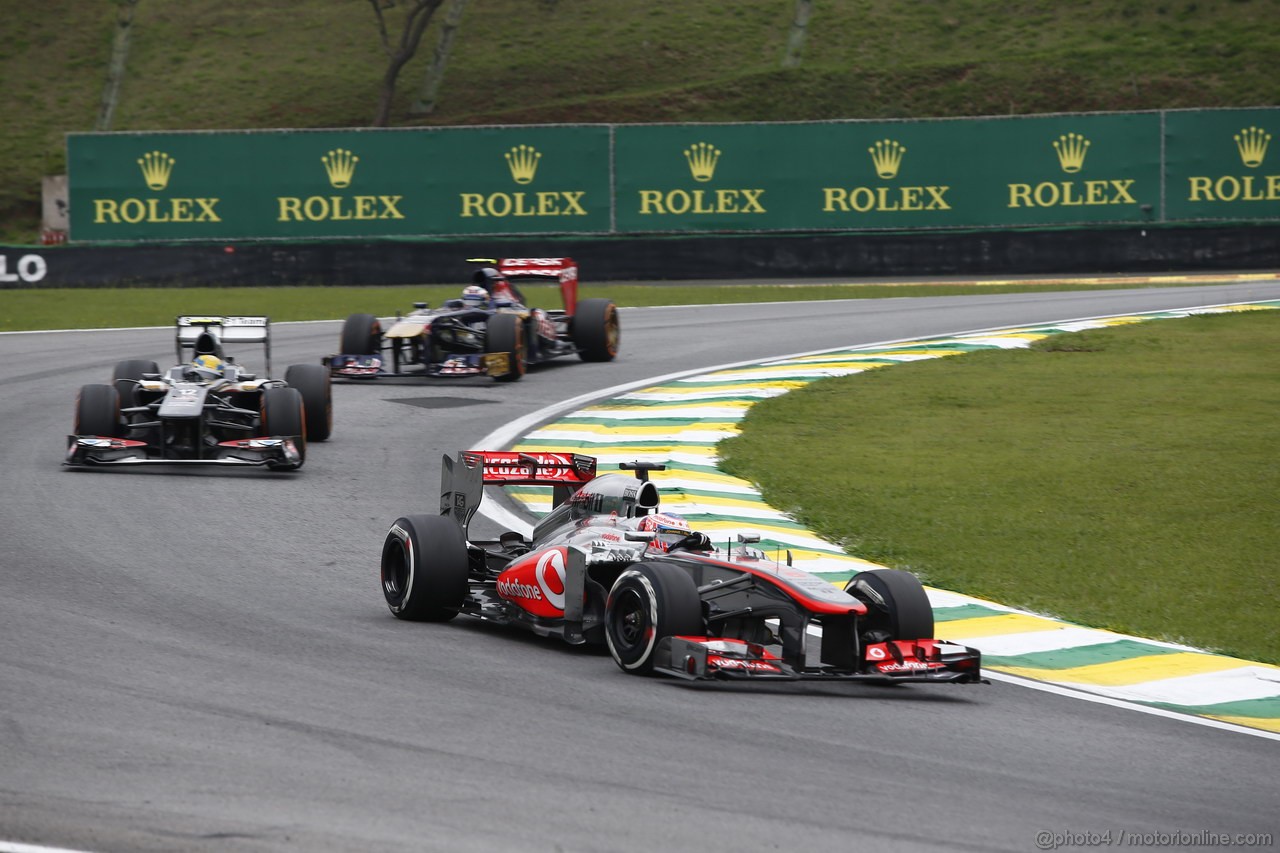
1123, 478
105, 308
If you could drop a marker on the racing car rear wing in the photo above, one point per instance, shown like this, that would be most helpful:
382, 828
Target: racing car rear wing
203, 334
539, 270
462, 480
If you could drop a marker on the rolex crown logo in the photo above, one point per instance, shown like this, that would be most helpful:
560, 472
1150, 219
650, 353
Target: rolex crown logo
1071, 148
156, 166
702, 157
523, 163
340, 164
1252, 143
886, 156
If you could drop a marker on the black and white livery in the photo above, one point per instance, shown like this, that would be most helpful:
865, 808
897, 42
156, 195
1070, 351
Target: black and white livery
207, 409
489, 330
607, 566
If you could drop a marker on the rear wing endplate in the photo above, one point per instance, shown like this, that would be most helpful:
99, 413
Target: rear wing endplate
462, 479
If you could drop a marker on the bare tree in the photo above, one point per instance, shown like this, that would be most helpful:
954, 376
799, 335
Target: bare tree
417, 15
799, 29
426, 103
117, 63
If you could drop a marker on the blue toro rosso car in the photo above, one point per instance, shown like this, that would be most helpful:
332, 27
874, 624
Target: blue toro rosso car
487, 331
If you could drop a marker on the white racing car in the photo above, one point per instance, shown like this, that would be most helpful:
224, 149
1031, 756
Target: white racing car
207, 410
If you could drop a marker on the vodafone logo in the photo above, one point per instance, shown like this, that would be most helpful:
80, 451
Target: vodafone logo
550, 575
515, 589
906, 666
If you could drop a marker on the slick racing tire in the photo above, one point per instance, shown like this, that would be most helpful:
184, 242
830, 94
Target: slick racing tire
650, 601
896, 604
284, 414
361, 335
505, 333
424, 568
596, 332
128, 374
313, 382
98, 411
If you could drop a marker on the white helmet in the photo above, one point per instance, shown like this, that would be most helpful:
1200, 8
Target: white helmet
474, 296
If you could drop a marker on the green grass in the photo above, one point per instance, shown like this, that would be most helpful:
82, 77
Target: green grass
105, 308
1124, 478
226, 64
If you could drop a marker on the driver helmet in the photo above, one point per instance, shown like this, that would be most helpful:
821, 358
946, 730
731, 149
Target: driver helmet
668, 528
474, 296
208, 366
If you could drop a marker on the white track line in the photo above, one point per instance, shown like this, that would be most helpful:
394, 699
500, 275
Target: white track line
14, 847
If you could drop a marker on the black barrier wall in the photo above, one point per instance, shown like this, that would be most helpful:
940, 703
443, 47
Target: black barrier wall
850, 256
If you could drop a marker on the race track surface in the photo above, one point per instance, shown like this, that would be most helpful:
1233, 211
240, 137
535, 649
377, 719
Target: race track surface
201, 659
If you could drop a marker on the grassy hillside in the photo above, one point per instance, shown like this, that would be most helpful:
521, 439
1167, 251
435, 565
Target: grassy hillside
219, 64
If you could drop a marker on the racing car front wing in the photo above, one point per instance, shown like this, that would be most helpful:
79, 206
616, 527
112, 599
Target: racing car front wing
712, 658
272, 451
455, 364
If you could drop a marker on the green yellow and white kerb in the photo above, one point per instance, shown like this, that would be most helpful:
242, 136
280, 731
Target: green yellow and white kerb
679, 422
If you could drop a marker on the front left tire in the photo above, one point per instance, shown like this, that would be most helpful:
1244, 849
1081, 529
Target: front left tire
361, 335
897, 606
314, 383
284, 414
648, 602
98, 411
505, 334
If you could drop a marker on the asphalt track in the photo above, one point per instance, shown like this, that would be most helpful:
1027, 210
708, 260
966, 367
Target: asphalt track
201, 659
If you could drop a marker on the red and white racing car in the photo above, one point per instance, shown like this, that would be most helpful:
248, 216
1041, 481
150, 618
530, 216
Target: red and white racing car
607, 566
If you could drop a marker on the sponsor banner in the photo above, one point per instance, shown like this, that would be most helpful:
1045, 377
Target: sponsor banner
1008, 172
24, 269
1222, 164
1046, 170
319, 184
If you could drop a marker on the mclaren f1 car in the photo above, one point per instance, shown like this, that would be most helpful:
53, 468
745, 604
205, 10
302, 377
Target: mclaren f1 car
487, 331
207, 409
607, 566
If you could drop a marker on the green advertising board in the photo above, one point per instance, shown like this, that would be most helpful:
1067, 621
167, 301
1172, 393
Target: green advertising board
1220, 164
1006, 172
1049, 170
317, 184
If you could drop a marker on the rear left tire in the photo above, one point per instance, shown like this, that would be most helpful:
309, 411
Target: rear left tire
128, 374
424, 568
596, 331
